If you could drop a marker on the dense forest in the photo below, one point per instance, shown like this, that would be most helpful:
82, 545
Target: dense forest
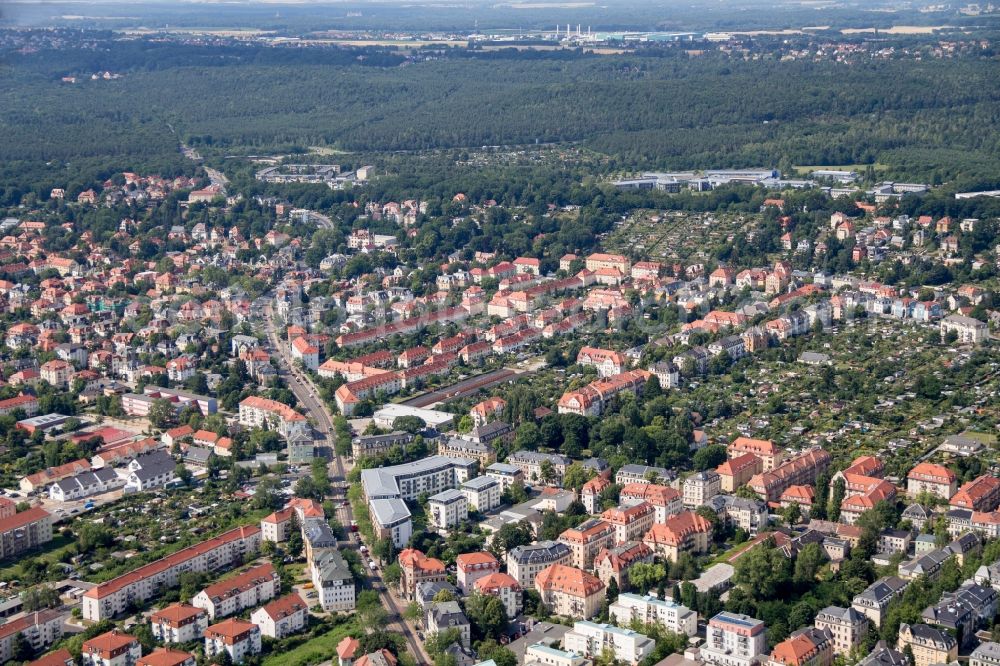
934, 119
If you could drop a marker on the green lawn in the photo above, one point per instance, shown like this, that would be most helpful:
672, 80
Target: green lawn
49, 553
315, 650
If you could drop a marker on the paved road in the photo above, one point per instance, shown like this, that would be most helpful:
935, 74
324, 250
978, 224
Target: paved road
308, 395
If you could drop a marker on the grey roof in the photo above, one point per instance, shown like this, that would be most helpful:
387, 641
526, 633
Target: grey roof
384, 481
536, 457
467, 445
640, 471
427, 591
541, 552
987, 651
447, 496
151, 465
838, 614
448, 614
330, 565
198, 454
395, 437
883, 655
928, 634
480, 483
318, 533
389, 511
882, 589
490, 430
503, 468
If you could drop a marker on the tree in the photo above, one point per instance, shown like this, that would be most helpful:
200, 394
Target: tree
837, 491
22, 650
487, 615
763, 571
577, 475
644, 576
791, 514
161, 413
709, 457
501, 656
547, 471
410, 424
393, 574
808, 563
184, 474
413, 613
509, 537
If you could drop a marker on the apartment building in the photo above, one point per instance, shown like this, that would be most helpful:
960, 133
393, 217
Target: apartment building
665, 500
592, 639
543, 655
506, 474
112, 597
455, 447
238, 638
391, 520
701, 487
805, 647
586, 540
685, 532
504, 587
282, 617
482, 493
848, 627
333, 581
417, 569
768, 452
257, 412
615, 562
179, 623
532, 463
630, 520
633, 473
525, 562
592, 398
23, 531
470, 567
986, 654
569, 591
980, 494
376, 445
874, 601
733, 639
605, 361
40, 628
930, 645
737, 471
238, 593
930, 478
800, 470
447, 509
111, 649
648, 609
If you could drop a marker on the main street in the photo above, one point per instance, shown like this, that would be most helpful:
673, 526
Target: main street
309, 398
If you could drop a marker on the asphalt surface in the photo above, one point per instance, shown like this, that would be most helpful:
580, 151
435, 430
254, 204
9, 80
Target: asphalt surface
308, 395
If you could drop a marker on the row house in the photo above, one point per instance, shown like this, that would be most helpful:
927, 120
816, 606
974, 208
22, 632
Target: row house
591, 399
605, 361
238, 593
800, 470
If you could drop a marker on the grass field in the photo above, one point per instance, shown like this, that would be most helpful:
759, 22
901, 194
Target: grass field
315, 650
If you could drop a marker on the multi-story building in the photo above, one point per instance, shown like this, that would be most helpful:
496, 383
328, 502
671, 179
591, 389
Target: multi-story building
570, 591
40, 628
668, 614
504, 587
417, 569
592, 639
929, 644
847, 626
980, 494
333, 581
506, 474
800, 470
749, 515
277, 526
685, 532
540, 654
376, 445
111, 649
444, 615
238, 638
282, 617
732, 639
606, 361
630, 520
769, 454
23, 531
112, 597
737, 471
482, 493
430, 475
524, 563
632, 473
246, 590
179, 623
930, 478
986, 654
391, 520
968, 329
470, 567
586, 540
447, 508
665, 500
592, 398
805, 647
615, 562
532, 464
875, 600
257, 412
701, 487
455, 447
